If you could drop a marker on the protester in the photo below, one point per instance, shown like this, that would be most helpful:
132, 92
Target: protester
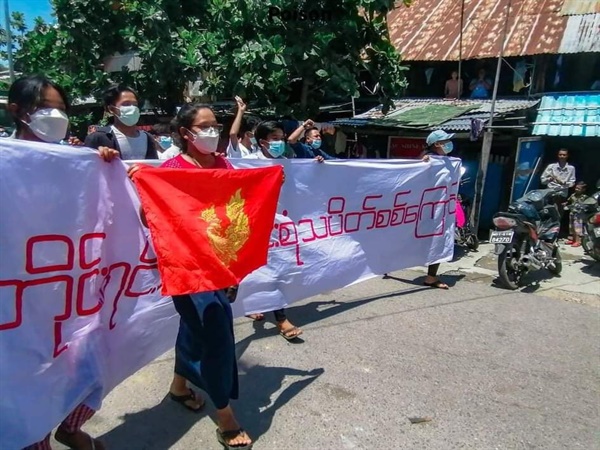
161, 133
205, 347
121, 103
560, 175
39, 108
575, 218
311, 147
271, 145
241, 136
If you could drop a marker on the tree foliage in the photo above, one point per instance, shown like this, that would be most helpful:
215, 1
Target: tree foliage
235, 47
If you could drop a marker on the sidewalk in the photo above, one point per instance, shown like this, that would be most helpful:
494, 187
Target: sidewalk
579, 281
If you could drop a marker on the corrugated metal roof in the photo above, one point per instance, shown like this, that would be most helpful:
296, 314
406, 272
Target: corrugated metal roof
429, 30
570, 7
465, 111
568, 115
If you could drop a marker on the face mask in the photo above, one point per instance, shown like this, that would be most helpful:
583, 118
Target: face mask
165, 142
49, 124
253, 141
276, 148
316, 144
448, 147
206, 142
130, 115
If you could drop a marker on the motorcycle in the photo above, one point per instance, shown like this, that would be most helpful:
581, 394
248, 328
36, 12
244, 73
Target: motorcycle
589, 210
526, 237
464, 234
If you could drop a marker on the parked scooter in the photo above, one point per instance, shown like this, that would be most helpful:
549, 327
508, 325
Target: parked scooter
589, 211
526, 237
464, 234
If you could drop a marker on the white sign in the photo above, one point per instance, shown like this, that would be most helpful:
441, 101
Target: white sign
80, 309
342, 222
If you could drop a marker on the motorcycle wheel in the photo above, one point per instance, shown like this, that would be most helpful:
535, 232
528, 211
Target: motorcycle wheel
473, 242
509, 276
556, 269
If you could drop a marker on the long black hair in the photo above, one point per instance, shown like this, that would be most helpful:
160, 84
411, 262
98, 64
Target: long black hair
28, 94
185, 118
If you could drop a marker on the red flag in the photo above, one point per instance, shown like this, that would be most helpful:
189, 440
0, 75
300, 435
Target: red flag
210, 228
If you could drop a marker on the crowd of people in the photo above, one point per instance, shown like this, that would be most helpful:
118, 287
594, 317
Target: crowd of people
205, 339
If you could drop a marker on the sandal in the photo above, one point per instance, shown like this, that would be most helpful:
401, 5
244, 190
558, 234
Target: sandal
290, 334
181, 399
224, 436
437, 285
259, 317
65, 439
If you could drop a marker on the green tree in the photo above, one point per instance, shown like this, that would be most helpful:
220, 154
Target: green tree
235, 47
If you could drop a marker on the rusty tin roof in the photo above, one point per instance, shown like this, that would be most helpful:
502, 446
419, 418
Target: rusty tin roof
429, 30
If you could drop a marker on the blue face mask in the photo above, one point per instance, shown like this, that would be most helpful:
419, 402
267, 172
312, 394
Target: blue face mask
316, 144
276, 148
448, 147
253, 141
165, 142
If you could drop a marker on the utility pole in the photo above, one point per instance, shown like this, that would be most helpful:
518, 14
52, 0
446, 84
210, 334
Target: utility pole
462, 18
488, 135
11, 69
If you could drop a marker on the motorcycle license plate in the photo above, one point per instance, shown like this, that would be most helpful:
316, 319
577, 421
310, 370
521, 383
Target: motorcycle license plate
501, 237
597, 232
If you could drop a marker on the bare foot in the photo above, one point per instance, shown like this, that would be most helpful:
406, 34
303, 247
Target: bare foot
78, 440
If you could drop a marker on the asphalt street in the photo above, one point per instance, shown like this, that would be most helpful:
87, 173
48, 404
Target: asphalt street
480, 367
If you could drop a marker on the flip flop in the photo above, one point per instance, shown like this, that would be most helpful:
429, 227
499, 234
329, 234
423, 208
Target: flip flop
181, 399
437, 285
93, 442
223, 436
286, 333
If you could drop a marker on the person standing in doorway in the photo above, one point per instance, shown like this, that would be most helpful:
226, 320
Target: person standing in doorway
481, 86
454, 86
560, 175
121, 103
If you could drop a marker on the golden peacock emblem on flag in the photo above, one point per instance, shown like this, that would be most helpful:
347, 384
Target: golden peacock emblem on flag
227, 242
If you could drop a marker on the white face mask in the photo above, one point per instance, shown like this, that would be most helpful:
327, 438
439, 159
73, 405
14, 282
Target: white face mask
206, 141
49, 124
129, 115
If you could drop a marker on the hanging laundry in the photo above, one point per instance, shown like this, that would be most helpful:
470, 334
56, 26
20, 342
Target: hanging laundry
519, 75
476, 129
429, 74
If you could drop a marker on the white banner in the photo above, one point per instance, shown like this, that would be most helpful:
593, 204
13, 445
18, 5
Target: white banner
80, 308
342, 222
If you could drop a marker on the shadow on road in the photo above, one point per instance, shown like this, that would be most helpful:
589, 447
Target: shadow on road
163, 425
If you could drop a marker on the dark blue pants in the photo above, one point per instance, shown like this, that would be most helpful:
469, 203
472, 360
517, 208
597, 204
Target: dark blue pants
205, 347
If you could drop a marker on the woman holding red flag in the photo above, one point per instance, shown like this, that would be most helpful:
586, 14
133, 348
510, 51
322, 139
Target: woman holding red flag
39, 108
205, 347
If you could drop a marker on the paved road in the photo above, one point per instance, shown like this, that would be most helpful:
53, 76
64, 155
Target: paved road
492, 369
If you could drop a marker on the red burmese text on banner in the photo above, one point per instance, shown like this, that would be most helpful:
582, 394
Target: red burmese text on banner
210, 228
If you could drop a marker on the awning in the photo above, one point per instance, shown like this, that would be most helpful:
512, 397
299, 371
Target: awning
568, 115
429, 30
435, 113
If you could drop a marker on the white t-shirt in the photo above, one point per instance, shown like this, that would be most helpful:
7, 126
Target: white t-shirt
169, 153
241, 152
131, 147
260, 155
